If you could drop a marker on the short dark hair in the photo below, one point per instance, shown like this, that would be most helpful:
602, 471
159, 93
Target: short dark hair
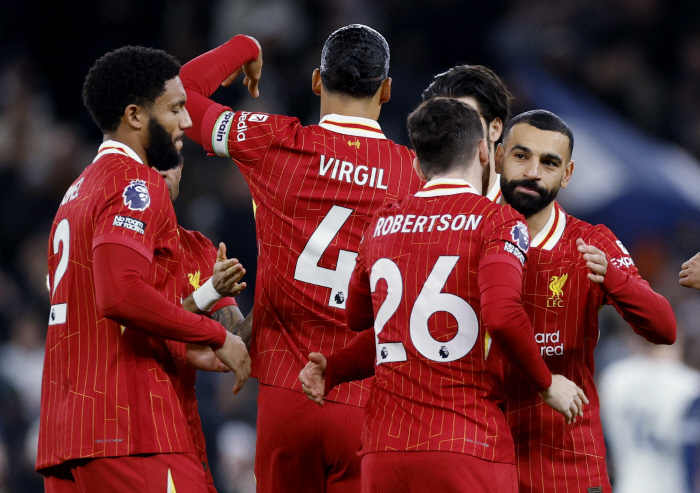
128, 75
355, 61
445, 133
476, 81
544, 120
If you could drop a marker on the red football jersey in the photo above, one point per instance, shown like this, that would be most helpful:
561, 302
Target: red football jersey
563, 305
435, 387
315, 189
105, 391
196, 267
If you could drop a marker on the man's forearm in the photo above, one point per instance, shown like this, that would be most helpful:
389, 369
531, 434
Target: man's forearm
649, 313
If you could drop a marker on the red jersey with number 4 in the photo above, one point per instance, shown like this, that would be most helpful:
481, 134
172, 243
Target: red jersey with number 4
196, 267
315, 189
105, 391
435, 387
563, 305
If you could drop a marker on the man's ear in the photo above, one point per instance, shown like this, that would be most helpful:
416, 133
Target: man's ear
495, 130
483, 149
316, 82
416, 168
568, 171
385, 88
498, 158
135, 117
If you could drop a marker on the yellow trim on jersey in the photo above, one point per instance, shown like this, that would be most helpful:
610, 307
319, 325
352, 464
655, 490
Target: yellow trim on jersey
552, 231
171, 483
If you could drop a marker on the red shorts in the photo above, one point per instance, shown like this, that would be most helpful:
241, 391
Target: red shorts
428, 472
304, 447
553, 469
160, 473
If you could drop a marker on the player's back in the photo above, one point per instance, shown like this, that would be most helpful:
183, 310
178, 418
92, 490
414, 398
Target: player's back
315, 189
435, 386
95, 400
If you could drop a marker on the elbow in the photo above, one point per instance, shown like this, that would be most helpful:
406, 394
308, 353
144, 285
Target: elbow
110, 307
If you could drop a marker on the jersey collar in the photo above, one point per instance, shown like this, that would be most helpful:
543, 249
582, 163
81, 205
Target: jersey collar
445, 186
494, 194
114, 147
352, 125
552, 232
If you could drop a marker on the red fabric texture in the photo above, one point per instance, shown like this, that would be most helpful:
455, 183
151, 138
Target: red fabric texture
354, 362
429, 472
123, 295
303, 447
359, 313
649, 313
137, 474
504, 318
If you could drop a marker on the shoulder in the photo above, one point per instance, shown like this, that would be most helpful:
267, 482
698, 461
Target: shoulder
195, 241
599, 236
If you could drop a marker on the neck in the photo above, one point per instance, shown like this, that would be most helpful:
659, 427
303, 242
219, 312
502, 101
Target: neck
493, 176
537, 221
346, 105
470, 174
130, 139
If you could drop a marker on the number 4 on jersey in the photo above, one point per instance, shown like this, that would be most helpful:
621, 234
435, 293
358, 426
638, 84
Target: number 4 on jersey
308, 270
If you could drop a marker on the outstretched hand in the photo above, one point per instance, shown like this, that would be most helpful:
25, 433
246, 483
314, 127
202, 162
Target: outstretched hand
689, 275
596, 261
252, 71
313, 377
227, 273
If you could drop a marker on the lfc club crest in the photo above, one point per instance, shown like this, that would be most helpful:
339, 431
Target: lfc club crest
556, 286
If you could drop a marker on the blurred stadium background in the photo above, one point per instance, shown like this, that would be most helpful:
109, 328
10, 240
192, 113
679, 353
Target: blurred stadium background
625, 74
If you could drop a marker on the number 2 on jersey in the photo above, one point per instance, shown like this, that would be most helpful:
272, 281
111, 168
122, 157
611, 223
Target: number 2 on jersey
430, 300
61, 235
308, 270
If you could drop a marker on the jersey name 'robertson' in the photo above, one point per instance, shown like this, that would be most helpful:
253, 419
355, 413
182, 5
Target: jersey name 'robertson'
412, 223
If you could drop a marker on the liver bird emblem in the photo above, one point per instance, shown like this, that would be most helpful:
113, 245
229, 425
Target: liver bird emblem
557, 285
194, 279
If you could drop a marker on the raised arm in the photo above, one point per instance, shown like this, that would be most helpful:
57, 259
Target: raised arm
204, 74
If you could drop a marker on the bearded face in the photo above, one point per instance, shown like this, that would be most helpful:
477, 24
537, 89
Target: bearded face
161, 151
528, 197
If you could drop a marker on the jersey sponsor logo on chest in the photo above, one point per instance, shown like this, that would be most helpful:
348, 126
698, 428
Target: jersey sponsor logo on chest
350, 173
549, 343
556, 287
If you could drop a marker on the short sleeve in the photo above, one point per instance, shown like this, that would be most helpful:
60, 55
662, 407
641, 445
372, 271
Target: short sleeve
505, 231
246, 136
134, 210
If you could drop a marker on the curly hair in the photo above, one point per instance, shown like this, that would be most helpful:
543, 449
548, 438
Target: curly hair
355, 61
476, 81
128, 75
445, 134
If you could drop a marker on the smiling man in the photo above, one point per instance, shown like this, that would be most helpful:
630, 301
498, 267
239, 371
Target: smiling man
574, 268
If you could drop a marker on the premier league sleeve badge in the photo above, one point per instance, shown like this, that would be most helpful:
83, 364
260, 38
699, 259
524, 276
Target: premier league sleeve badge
136, 196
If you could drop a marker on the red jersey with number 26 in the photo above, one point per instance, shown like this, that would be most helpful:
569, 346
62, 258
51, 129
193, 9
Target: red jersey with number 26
435, 387
315, 190
105, 391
